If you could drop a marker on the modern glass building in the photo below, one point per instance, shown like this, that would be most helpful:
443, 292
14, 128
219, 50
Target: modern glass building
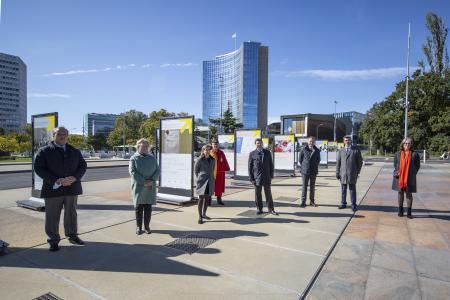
99, 123
237, 81
13, 93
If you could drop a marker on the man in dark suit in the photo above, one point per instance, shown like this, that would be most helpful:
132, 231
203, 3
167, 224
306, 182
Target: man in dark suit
348, 166
309, 167
61, 167
260, 170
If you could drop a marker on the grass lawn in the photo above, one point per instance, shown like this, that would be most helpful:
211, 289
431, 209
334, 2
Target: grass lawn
17, 159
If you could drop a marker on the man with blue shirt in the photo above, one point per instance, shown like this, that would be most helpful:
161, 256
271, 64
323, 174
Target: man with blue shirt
61, 167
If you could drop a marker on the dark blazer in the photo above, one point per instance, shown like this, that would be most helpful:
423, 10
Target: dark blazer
52, 163
348, 165
204, 171
260, 167
309, 160
413, 169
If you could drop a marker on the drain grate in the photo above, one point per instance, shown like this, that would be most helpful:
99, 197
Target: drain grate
48, 296
290, 199
191, 243
251, 213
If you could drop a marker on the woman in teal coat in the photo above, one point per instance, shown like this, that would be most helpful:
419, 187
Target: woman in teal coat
144, 172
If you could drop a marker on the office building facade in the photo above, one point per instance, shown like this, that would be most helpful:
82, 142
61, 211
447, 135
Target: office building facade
99, 124
322, 126
238, 81
13, 93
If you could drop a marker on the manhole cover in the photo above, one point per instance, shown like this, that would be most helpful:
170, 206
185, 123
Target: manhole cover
191, 243
48, 296
290, 199
251, 213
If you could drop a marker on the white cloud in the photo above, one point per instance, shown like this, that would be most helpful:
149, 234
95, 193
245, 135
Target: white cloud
189, 64
364, 74
73, 72
146, 66
272, 119
48, 95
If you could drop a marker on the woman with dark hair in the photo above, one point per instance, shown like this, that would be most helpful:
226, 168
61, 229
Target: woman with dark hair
204, 171
406, 166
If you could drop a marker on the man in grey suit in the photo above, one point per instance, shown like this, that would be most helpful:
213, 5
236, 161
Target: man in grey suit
61, 166
348, 166
309, 159
260, 170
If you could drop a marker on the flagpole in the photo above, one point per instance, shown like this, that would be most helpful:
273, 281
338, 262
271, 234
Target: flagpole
407, 82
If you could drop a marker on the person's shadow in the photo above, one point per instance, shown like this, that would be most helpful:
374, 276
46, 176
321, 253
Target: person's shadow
122, 257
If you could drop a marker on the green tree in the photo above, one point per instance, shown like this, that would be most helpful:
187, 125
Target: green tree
128, 123
2, 131
434, 48
8, 144
97, 141
78, 141
149, 126
229, 123
429, 98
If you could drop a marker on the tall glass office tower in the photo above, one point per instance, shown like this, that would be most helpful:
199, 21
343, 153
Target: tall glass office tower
13, 93
237, 81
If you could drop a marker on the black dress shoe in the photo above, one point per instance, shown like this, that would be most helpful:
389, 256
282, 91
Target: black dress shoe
259, 212
354, 208
312, 203
200, 221
147, 231
342, 206
54, 247
139, 231
76, 241
303, 205
272, 212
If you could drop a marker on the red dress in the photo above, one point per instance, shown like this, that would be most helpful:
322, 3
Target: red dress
219, 171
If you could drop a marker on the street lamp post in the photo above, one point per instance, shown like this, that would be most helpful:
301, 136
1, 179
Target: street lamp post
221, 99
334, 129
407, 82
317, 131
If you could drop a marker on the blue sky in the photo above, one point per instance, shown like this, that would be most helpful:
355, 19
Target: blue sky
108, 56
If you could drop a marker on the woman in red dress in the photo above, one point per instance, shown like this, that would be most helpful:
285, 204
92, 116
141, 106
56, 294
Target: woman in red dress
219, 171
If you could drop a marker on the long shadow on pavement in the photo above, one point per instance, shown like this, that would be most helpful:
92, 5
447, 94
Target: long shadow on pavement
121, 257
107, 257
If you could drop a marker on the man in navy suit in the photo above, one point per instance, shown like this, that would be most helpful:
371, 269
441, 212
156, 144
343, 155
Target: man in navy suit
260, 170
348, 166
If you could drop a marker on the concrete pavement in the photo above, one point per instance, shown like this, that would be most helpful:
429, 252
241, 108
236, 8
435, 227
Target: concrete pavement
267, 257
383, 256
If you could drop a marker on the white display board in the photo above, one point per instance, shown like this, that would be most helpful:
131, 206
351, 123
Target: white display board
226, 144
245, 143
323, 146
332, 151
176, 156
284, 154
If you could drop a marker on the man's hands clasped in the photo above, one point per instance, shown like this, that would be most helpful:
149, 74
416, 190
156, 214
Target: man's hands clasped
66, 181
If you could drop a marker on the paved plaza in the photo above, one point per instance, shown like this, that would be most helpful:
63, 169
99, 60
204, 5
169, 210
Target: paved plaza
379, 256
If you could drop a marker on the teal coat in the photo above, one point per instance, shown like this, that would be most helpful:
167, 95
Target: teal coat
141, 168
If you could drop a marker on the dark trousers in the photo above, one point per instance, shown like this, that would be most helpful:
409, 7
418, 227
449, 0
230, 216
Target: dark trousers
312, 184
352, 188
53, 207
203, 202
401, 198
267, 193
143, 211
